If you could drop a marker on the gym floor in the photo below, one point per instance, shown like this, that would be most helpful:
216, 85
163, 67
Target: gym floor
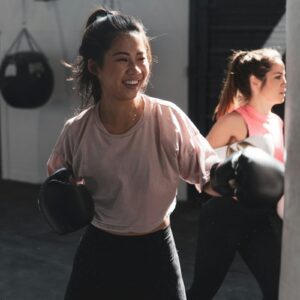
35, 263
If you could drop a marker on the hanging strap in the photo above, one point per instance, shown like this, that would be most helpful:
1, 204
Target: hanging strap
33, 46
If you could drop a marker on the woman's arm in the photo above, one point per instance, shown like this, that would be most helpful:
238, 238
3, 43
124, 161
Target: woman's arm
227, 130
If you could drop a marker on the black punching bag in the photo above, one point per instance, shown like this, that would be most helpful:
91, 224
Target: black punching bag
26, 79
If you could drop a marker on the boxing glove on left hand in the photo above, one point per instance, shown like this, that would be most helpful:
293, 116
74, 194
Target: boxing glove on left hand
259, 179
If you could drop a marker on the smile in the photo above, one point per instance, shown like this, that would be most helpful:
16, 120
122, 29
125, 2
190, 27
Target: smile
131, 82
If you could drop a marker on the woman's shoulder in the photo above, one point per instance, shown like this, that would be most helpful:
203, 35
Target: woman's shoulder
161, 103
231, 120
228, 128
166, 109
80, 118
169, 115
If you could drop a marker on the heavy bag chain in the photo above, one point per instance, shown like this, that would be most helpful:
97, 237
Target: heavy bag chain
26, 79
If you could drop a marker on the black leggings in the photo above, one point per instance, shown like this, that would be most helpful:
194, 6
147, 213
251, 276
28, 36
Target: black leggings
225, 227
114, 267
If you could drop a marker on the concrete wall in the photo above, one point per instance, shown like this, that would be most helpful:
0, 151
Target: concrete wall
27, 136
290, 265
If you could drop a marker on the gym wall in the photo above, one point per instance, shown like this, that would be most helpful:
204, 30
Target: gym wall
28, 135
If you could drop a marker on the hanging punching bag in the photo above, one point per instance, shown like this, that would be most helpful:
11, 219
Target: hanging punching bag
26, 79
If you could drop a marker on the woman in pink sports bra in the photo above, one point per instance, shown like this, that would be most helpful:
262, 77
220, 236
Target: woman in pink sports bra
255, 82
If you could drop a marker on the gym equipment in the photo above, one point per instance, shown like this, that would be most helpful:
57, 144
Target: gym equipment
66, 207
26, 79
251, 175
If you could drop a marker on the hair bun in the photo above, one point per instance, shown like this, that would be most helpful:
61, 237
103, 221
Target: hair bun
97, 15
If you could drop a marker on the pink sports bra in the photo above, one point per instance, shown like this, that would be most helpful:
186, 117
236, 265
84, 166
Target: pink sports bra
269, 124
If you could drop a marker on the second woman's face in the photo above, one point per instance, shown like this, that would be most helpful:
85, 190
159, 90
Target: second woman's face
275, 87
125, 69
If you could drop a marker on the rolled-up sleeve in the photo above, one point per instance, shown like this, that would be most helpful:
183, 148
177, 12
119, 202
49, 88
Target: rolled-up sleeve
195, 155
196, 158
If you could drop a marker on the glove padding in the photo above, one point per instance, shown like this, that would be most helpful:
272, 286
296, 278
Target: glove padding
65, 206
259, 179
223, 176
252, 175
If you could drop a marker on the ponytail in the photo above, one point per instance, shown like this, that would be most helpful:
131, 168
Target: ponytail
236, 87
228, 97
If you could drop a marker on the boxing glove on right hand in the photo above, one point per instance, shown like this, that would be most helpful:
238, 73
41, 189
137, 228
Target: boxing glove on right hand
259, 179
223, 175
66, 207
254, 177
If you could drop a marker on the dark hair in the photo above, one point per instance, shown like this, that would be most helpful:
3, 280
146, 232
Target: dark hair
101, 29
243, 64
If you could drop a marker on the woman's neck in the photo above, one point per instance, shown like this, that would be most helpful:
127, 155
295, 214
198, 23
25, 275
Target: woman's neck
260, 106
119, 116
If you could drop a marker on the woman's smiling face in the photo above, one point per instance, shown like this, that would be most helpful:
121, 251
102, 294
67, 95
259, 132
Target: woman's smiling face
125, 69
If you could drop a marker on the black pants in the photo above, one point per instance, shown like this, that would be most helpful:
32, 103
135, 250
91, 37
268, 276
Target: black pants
114, 267
225, 227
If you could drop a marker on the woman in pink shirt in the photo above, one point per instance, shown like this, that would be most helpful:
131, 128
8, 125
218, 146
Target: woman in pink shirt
255, 82
130, 150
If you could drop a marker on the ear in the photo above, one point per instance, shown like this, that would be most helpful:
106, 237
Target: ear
255, 83
92, 66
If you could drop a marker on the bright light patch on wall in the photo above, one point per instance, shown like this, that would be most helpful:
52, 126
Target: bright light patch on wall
277, 38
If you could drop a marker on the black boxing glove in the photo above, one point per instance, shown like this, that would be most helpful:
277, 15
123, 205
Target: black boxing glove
259, 179
65, 206
62, 174
223, 176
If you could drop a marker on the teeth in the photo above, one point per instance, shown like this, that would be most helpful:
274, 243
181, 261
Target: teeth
131, 82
